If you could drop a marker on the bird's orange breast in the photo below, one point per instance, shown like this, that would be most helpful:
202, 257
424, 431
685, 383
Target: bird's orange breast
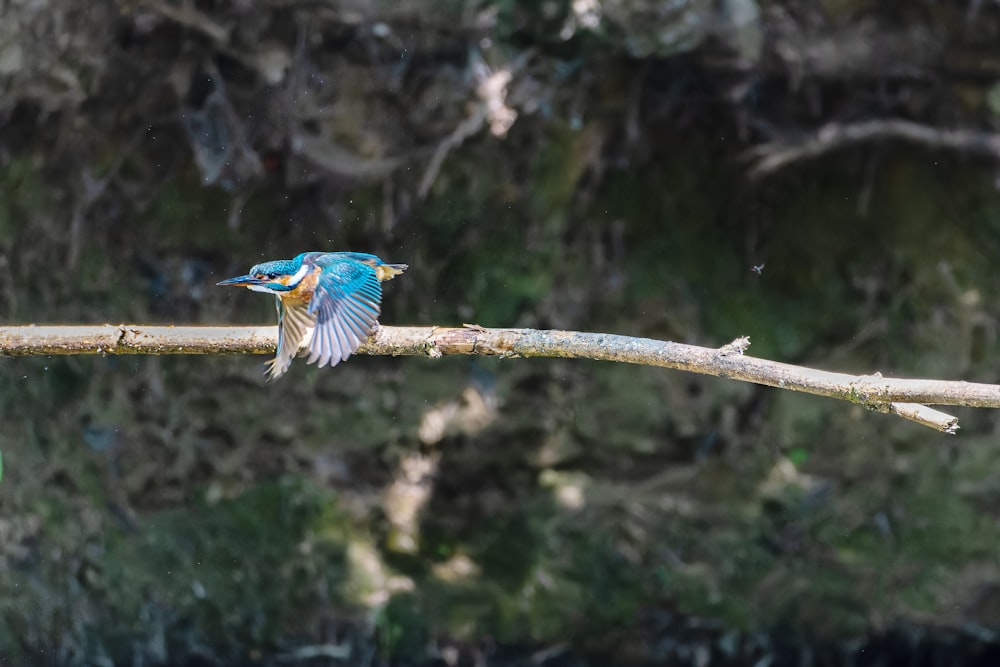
304, 290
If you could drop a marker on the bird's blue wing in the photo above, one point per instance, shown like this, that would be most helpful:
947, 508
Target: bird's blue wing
294, 322
346, 306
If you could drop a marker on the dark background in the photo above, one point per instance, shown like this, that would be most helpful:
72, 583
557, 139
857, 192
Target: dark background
597, 166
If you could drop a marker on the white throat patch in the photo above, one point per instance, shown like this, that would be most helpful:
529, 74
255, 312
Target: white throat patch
299, 275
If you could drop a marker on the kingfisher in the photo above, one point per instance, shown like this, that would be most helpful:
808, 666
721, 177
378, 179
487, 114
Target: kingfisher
330, 299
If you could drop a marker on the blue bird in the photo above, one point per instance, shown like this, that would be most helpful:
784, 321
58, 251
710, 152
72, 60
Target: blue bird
330, 299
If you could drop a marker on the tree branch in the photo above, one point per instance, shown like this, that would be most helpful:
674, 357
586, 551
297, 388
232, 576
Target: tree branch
902, 397
771, 157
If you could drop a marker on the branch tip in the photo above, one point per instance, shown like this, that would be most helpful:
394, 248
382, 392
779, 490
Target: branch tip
926, 416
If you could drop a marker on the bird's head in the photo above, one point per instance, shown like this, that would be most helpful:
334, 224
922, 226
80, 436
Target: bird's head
275, 277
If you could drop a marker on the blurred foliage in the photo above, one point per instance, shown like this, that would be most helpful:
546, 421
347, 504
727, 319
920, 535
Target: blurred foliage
163, 509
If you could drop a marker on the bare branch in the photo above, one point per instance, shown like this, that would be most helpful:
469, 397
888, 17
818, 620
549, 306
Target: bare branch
467, 128
926, 416
491, 109
773, 156
187, 15
342, 162
896, 396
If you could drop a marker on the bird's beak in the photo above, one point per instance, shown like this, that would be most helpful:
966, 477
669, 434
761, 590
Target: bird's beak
241, 281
